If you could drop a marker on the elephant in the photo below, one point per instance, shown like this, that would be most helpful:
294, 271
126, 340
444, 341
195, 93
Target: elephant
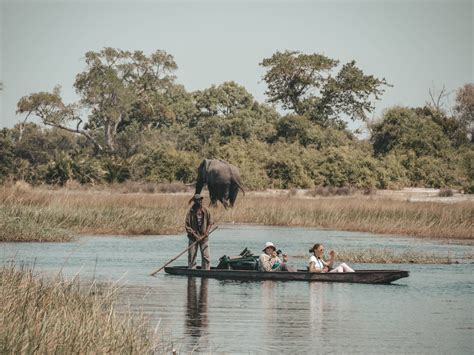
222, 179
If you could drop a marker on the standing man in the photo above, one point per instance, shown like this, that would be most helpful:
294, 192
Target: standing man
198, 223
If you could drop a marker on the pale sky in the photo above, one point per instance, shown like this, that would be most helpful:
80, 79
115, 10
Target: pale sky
416, 45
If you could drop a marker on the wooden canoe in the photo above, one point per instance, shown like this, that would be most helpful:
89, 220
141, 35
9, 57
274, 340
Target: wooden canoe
360, 276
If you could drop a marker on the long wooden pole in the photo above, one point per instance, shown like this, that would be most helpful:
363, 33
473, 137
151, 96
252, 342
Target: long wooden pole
184, 251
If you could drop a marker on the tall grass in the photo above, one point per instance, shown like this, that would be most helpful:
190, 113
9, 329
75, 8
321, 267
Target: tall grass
36, 212
361, 213
387, 256
49, 317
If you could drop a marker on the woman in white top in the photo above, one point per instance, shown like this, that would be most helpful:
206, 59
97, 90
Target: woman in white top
317, 264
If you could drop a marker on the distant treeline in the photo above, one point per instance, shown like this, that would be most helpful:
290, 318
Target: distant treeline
134, 122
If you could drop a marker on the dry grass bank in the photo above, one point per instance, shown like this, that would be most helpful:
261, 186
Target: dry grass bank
50, 317
38, 214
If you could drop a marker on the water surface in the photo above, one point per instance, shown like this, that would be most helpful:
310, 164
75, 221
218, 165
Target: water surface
429, 312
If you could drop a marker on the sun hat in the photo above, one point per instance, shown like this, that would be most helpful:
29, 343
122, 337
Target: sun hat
268, 244
197, 197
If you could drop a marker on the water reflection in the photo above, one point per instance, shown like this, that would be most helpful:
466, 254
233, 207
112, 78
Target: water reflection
197, 322
316, 319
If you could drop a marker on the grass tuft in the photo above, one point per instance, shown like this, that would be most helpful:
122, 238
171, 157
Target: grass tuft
61, 316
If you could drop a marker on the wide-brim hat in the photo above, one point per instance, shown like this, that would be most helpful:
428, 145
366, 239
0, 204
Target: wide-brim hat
197, 197
268, 244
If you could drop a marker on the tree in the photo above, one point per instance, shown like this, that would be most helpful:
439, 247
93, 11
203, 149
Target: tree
6, 154
115, 87
223, 100
464, 108
452, 127
406, 129
229, 110
293, 128
53, 112
304, 83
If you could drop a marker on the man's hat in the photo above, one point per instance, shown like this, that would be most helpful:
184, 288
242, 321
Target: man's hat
197, 197
268, 244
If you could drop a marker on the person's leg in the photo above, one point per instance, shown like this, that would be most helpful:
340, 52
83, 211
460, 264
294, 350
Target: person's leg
346, 268
205, 258
290, 268
192, 254
342, 268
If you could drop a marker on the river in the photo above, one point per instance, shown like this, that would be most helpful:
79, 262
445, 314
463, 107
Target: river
429, 312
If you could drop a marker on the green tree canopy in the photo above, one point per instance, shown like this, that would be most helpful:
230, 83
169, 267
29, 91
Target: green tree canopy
223, 100
229, 110
305, 83
115, 86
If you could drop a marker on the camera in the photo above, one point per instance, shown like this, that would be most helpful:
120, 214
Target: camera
279, 252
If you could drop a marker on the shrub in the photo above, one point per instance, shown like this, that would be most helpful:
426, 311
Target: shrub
428, 171
58, 171
348, 166
287, 172
87, 170
445, 193
164, 164
468, 188
116, 169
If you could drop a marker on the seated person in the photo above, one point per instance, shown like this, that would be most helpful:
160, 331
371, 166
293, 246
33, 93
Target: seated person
269, 260
317, 264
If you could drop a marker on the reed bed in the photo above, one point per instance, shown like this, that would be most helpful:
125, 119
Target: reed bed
49, 317
52, 212
361, 213
387, 256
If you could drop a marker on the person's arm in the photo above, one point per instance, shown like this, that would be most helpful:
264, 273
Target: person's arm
313, 268
332, 257
188, 226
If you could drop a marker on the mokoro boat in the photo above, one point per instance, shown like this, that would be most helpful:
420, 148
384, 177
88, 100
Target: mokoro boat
360, 276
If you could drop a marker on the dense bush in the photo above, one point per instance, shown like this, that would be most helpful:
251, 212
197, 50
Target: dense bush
164, 164
426, 143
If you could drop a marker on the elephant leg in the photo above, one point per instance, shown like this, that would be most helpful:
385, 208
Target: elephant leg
225, 203
234, 190
224, 195
212, 196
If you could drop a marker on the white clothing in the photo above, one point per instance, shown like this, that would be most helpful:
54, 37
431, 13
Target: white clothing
318, 263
